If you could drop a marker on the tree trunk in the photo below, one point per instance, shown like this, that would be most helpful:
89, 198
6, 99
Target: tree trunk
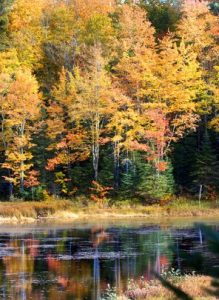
22, 161
11, 191
200, 194
96, 145
32, 192
11, 188
22, 174
116, 165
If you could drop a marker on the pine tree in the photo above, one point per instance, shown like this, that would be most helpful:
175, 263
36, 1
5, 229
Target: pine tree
128, 177
155, 185
206, 168
4, 22
214, 6
164, 15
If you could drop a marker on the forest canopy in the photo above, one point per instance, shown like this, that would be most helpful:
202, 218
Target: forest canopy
102, 97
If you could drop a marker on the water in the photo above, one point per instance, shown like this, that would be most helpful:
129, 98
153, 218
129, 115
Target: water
80, 261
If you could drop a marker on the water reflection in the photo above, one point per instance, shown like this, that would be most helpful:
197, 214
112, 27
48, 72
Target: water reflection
79, 263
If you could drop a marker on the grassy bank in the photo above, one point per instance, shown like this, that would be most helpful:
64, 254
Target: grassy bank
194, 285
31, 211
62, 210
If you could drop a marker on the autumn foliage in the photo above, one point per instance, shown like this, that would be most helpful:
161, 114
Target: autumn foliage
91, 91
99, 192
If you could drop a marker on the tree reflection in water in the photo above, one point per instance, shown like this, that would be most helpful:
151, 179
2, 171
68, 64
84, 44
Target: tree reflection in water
79, 263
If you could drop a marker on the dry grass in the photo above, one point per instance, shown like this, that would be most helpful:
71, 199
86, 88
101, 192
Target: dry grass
66, 210
193, 285
179, 208
33, 209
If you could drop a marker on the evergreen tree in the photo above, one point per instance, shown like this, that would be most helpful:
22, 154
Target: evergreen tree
128, 177
164, 15
214, 6
206, 167
183, 157
4, 10
153, 184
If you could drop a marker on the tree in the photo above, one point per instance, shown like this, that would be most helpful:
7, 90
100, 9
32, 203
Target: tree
20, 107
205, 171
133, 74
60, 45
164, 106
67, 139
177, 85
5, 6
164, 15
198, 28
26, 32
70, 27
135, 68
93, 103
121, 123
214, 6
152, 187
32, 181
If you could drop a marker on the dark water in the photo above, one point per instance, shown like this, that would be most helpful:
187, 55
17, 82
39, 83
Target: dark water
79, 262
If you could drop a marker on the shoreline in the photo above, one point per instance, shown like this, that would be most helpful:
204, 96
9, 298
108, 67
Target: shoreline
195, 286
65, 211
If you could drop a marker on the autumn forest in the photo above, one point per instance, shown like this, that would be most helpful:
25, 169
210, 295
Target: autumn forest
109, 99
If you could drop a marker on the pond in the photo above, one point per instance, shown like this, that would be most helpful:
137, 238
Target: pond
80, 261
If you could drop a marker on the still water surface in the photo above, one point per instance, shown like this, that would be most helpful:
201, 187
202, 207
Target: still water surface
81, 260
